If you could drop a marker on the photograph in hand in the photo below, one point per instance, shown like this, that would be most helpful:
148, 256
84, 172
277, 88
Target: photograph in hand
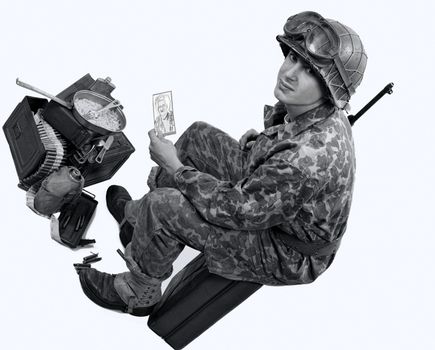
163, 111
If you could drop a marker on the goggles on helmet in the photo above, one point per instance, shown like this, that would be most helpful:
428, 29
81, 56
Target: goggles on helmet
319, 41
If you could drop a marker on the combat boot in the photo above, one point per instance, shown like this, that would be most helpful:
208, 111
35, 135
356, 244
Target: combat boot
125, 292
116, 199
133, 291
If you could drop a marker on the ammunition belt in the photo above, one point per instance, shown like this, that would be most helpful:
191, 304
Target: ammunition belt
55, 146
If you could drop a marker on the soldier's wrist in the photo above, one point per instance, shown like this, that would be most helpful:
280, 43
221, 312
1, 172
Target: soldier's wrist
173, 167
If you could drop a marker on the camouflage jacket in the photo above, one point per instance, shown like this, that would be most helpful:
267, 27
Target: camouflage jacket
298, 176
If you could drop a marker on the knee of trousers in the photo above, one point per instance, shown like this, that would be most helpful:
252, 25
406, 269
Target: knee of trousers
196, 126
192, 138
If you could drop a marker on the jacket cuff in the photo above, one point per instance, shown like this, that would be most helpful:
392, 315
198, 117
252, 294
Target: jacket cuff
179, 176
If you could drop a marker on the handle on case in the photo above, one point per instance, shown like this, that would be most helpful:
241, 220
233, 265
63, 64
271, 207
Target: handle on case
43, 93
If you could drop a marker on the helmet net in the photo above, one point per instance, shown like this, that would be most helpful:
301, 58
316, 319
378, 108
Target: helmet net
354, 59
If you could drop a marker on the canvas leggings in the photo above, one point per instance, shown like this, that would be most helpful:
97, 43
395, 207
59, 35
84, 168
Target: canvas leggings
164, 220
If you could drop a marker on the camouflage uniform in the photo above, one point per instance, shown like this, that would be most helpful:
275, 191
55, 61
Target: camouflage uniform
228, 203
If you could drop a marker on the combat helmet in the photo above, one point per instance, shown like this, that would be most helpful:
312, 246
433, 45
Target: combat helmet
333, 50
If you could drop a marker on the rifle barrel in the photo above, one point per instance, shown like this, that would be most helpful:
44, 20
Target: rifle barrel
388, 89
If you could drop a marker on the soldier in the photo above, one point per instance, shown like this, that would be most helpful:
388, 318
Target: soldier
271, 208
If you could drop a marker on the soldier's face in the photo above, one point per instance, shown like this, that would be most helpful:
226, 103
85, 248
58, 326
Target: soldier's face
162, 107
296, 83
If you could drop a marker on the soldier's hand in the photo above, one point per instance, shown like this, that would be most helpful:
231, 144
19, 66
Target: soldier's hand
163, 152
248, 139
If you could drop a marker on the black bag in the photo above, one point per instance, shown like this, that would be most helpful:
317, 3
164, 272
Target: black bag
193, 301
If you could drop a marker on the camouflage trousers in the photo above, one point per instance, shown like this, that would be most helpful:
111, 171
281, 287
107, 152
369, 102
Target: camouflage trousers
165, 221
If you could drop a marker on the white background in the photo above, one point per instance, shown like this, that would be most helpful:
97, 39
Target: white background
220, 59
